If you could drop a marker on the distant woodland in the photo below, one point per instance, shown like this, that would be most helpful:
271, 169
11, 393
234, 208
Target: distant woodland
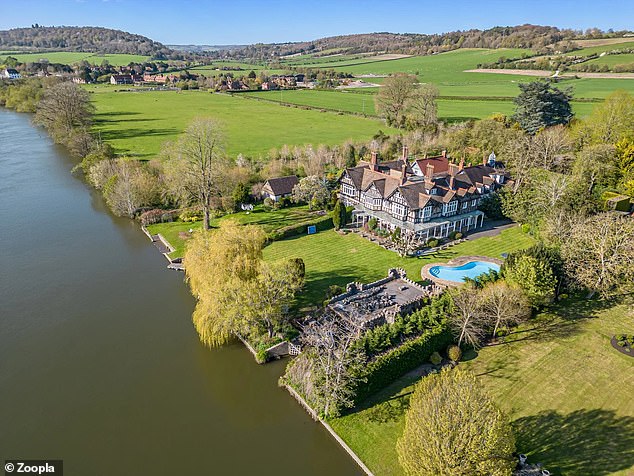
88, 38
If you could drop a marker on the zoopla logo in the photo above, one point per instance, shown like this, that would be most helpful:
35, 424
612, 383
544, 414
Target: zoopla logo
33, 467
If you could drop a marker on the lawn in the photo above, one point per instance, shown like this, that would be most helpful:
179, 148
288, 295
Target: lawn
70, 57
566, 390
176, 233
138, 123
331, 258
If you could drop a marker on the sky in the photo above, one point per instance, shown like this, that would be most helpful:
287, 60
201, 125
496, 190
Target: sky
273, 21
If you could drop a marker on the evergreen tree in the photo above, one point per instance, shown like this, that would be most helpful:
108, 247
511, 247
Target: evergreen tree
540, 105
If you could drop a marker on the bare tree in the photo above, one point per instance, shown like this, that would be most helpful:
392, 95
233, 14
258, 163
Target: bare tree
502, 304
552, 148
393, 97
64, 107
328, 369
423, 108
599, 253
404, 242
197, 169
467, 320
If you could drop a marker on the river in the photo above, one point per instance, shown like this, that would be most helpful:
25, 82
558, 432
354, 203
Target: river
100, 365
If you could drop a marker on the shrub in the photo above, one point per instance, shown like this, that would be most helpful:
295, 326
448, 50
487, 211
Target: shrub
155, 216
454, 353
458, 235
432, 242
372, 224
261, 356
321, 223
435, 358
190, 215
398, 361
526, 228
269, 203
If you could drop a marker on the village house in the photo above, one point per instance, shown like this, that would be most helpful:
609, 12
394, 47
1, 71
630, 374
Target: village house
126, 79
280, 187
430, 197
11, 73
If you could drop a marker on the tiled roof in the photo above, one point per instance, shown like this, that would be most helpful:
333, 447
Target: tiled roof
282, 185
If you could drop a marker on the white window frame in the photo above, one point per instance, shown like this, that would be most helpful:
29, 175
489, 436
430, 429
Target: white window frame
398, 210
465, 205
348, 190
450, 208
427, 212
474, 202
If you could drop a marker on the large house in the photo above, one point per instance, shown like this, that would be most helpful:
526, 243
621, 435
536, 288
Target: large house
430, 197
126, 79
280, 187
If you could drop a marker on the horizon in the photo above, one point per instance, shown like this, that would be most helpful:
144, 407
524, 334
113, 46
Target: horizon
244, 23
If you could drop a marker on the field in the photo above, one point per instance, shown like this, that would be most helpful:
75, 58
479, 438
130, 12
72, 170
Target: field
451, 110
70, 57
138, 123
613, 60
567, 391
331, 258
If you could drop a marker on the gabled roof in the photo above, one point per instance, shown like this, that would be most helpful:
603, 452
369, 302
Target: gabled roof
475, 174
440, 163
282, 185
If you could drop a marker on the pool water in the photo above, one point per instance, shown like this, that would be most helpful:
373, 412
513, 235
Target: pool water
472, 269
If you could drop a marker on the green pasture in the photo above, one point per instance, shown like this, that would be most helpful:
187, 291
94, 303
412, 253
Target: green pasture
613, 60
331, 258
451, 110
567, 392
592, 50
70, 57
138, 123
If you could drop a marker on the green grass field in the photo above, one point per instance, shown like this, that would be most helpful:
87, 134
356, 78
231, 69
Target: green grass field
567, 391
138, 123
331, 258
613, 60
348, 101
176, 232
70, 57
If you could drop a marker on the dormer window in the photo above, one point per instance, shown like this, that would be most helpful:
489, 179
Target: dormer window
450, 208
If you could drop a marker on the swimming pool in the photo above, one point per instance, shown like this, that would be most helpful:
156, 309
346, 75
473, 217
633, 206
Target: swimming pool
457, 274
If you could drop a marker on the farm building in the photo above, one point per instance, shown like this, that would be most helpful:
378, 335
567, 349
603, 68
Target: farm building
280, 187
126, 79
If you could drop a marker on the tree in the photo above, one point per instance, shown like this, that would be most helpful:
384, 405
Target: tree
535, 276
241, 193
599, 253
403, 242
393, 97
339, 215
453, 428
197, 166
270, 295
504, 305
64, 107
540, 105
327, 371
422, 108
609, 121
311, 190
218, 266
466, 319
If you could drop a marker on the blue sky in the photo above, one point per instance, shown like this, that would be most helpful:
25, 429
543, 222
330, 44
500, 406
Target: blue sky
250, 21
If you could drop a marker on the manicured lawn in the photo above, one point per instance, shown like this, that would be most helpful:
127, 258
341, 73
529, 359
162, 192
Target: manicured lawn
331, 258
566, 390
138, 123
70, 57
177, 232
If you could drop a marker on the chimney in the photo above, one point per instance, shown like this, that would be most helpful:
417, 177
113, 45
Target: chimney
404, 173
451, 180
429, 172
444, 154
374, 162
405, 153
461, 166
484, 160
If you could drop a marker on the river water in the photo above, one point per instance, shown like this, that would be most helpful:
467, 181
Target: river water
99, 363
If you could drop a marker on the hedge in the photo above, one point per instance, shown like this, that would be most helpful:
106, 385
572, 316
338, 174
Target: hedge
321, 223
397, 362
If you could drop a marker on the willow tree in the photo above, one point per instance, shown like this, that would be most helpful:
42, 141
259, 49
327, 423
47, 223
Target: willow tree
197, 168
453, 428
218, 265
